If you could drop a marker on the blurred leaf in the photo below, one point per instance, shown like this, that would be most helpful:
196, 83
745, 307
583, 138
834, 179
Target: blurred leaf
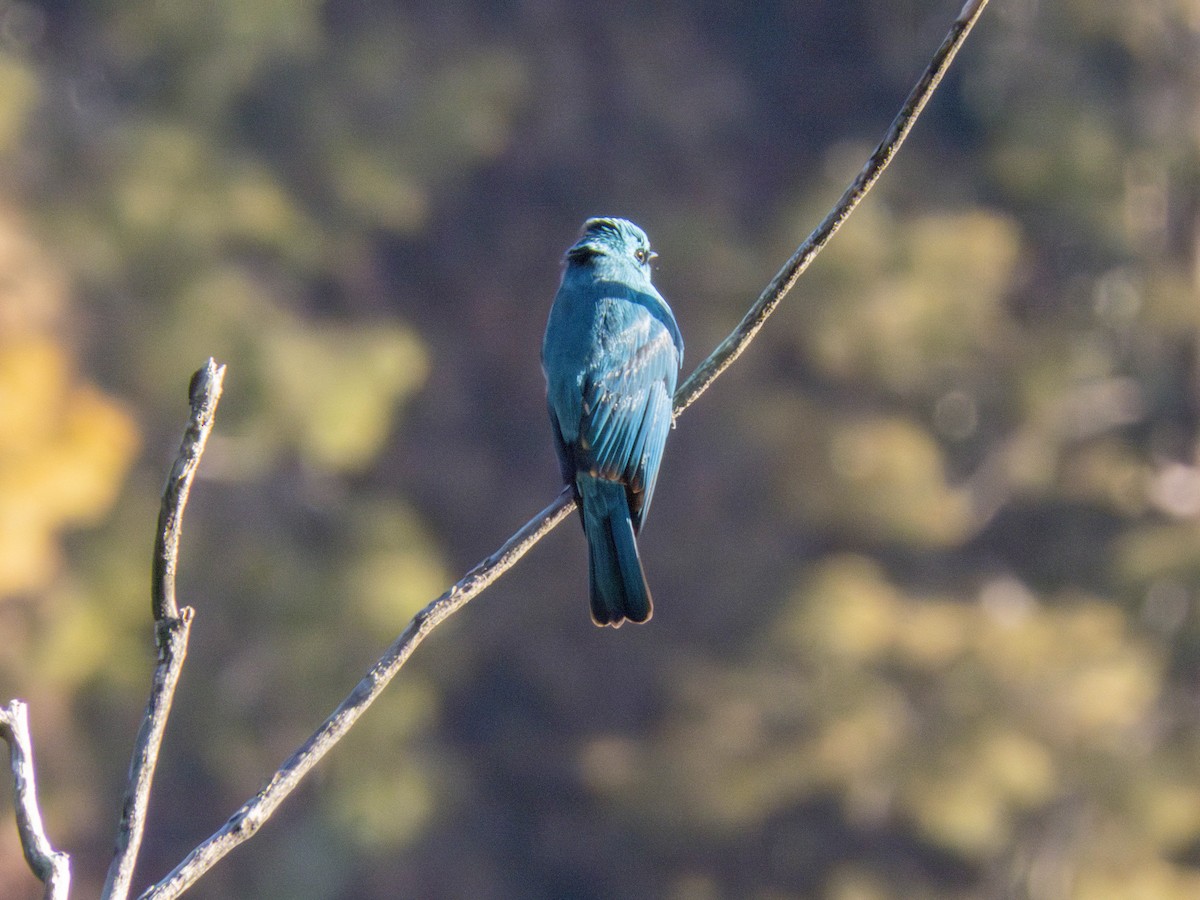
19, 91
396, 571
336, 389
910, 300
64, 452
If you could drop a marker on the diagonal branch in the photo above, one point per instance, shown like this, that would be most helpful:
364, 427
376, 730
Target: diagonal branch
51, 866
246, 821
731, 348
250, 817
172, 628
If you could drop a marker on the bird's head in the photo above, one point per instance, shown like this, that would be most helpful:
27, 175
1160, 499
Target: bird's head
615, 238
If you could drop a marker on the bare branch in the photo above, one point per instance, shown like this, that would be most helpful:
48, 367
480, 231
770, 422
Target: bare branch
731, 348
172, 629
51, 866
247, 820
204, 394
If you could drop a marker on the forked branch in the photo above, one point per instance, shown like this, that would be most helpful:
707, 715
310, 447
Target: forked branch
172, 629
249, 818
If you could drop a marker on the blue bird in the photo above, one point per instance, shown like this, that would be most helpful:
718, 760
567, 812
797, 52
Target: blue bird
611, 355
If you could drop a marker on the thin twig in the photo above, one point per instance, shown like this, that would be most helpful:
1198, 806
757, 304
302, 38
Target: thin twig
247, 820
51, 866
731, 348
172, 629
204, 392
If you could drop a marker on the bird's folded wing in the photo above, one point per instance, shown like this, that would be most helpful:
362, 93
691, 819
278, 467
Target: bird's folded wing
627, 407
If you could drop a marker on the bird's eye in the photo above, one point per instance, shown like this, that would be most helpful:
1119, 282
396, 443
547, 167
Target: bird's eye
643, 255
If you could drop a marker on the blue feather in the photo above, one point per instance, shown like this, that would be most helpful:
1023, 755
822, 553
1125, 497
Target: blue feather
611, 355
618, 584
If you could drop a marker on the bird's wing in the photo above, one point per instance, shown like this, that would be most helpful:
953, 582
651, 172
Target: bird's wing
627, 401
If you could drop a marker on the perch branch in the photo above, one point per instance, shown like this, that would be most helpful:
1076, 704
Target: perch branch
731, 348
249, 818
172, 628
51, 866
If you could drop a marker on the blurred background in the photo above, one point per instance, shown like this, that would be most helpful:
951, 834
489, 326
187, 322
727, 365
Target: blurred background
926, 559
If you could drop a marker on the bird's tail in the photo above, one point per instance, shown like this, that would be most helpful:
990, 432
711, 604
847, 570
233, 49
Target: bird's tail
619, 589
